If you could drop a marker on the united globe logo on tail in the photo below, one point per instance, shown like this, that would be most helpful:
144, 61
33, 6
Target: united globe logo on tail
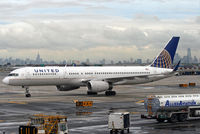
163, 60
166, 57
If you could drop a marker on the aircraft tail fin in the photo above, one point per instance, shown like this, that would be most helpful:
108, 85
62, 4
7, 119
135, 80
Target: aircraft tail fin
166, 57
177, 65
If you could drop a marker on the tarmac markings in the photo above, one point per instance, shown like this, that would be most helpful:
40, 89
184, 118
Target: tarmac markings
17, 102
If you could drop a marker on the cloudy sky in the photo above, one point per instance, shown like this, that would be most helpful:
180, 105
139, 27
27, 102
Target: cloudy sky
97, 29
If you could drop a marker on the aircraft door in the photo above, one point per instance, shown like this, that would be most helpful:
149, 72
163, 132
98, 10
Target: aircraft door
64, 73
27, 74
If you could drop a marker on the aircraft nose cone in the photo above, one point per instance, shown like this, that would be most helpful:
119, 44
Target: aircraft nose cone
6, 80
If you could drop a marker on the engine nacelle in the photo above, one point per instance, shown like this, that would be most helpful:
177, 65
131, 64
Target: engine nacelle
98, 86
67, 87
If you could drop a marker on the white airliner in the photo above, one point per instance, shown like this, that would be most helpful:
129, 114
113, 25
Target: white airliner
96, 79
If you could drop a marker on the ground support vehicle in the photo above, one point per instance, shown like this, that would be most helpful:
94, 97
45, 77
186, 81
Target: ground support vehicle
119, 122
173, 108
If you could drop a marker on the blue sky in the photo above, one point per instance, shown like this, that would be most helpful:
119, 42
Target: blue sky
162, 9
81, 29
167, 9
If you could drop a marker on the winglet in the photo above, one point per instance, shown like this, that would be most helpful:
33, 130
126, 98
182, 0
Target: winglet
177, 65
166, 57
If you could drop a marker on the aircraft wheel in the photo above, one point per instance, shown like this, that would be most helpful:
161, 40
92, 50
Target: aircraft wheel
182, 117
28, 95
160, 120
174, 118
113, 93
128, 131
110, 93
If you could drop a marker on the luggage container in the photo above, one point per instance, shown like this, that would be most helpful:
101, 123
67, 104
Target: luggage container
118, 122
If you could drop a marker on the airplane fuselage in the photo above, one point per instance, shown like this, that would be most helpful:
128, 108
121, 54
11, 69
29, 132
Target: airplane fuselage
39, 76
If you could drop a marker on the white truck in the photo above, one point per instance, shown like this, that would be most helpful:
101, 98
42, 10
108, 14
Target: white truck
118, 122
173, 108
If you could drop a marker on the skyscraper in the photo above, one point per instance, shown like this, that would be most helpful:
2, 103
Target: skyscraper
38, 60
189, 56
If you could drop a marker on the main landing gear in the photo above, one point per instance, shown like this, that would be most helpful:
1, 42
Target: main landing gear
107, 93
110, 93
27, 92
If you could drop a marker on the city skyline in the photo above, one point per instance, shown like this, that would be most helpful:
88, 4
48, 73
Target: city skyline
189, 58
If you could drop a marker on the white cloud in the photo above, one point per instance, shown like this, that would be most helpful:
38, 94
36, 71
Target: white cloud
95, 39
198, 19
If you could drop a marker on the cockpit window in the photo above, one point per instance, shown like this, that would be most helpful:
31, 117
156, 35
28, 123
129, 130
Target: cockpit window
13, 74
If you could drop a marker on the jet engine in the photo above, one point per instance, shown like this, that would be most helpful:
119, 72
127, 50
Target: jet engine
98, 86
67, 87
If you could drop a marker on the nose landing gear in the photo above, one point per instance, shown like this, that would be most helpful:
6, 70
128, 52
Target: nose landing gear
27, 92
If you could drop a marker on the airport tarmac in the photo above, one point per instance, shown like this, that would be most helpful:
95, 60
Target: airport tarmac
15, 108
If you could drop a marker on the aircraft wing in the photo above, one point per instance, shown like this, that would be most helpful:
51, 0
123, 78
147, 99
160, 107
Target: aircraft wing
118, 79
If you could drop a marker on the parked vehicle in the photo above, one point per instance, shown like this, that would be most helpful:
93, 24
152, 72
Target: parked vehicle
173, 108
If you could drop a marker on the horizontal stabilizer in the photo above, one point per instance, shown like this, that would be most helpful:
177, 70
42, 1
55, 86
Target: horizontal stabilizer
177, 65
